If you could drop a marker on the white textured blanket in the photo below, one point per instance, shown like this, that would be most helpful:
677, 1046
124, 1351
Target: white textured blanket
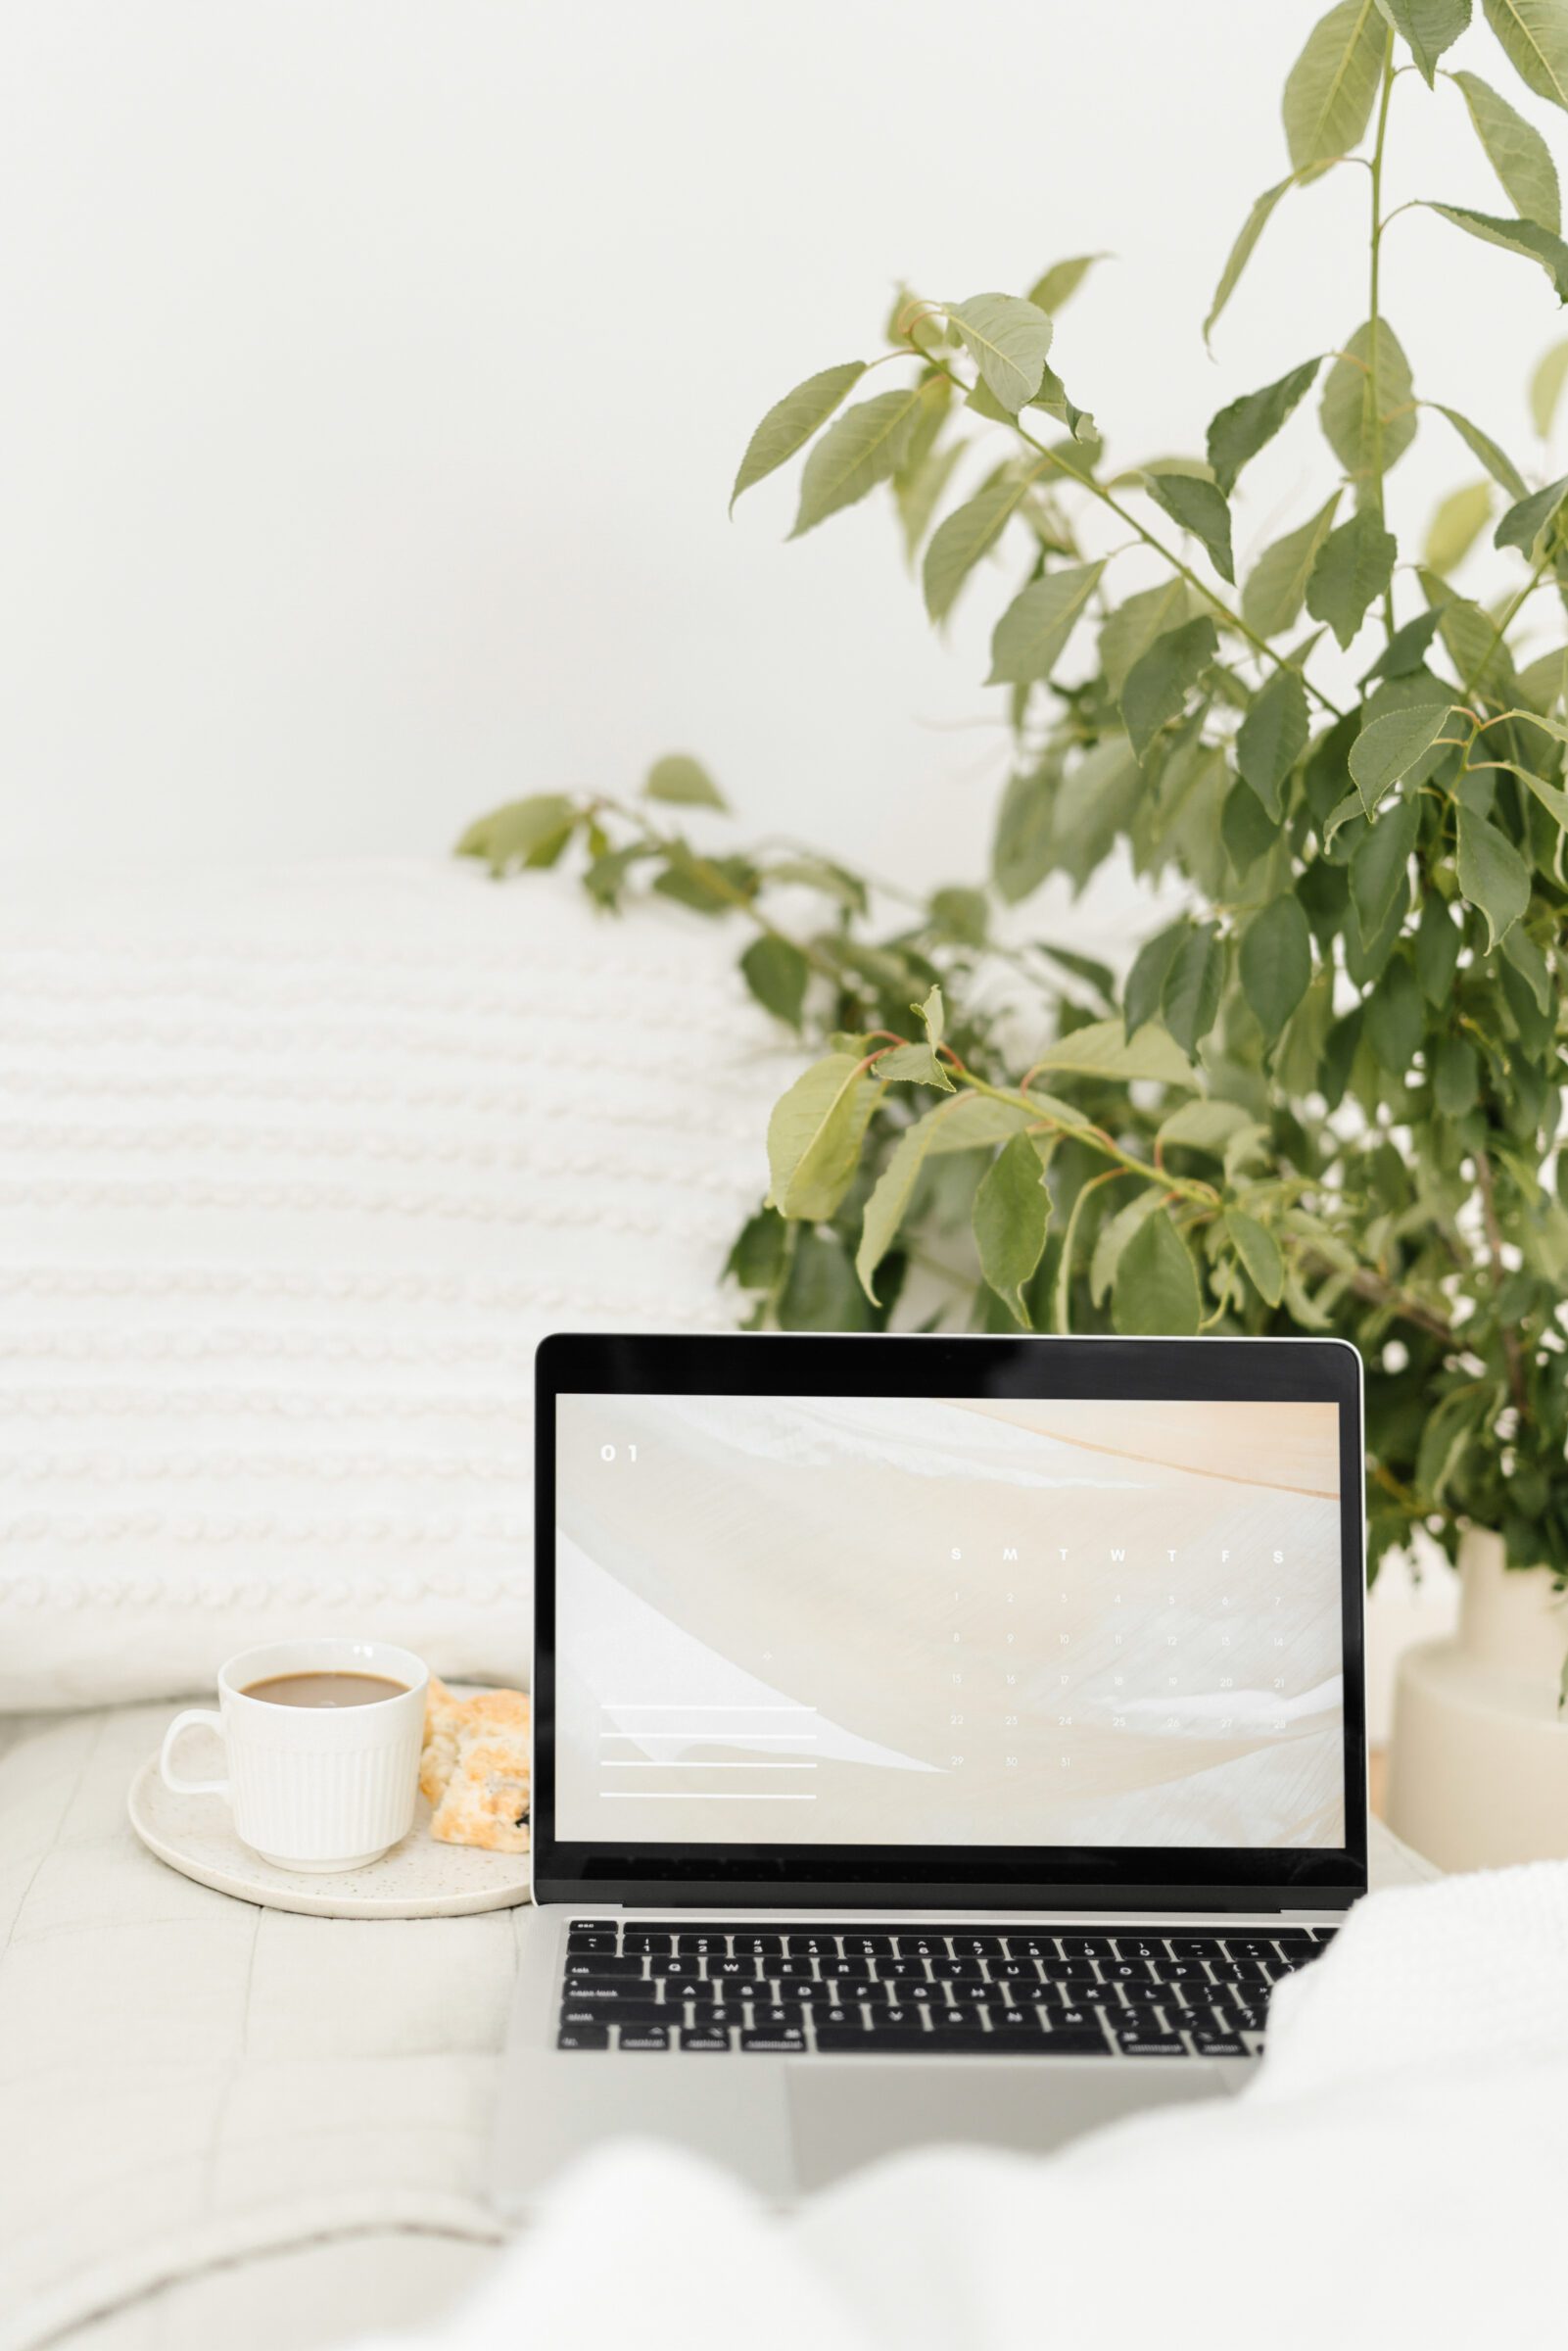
228, 2126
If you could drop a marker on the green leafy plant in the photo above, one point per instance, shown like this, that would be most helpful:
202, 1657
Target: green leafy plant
1325, 1096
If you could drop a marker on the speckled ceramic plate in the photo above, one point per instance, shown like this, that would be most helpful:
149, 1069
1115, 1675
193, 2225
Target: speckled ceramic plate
417, 1879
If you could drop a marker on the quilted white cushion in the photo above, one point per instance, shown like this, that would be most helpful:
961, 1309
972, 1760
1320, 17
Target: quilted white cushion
296, 1168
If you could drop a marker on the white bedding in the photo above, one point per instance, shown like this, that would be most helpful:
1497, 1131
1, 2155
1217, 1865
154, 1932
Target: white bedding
232, 2126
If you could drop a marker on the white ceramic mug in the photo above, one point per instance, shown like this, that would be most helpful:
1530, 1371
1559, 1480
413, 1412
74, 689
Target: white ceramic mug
314, 1788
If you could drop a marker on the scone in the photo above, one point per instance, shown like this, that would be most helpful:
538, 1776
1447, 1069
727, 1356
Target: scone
474, 1769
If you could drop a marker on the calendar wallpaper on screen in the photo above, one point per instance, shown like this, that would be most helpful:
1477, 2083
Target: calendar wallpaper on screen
921, 1621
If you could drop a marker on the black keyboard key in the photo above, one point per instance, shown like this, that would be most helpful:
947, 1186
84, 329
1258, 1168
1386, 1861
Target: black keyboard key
899, 1971
592, 1964
755, 1947
644, 2036
1126, 1971
809, 1990
785, 2014
1250, 1947
1178, 1971
637, 1939
864, 1946
576, 2014
638, 2012
1085, 1947
1031, 1947
854, 2041
1139, 1946
582, 2037
1152, 2044
704, 2038
1015, 2020
958, 1971
788, 1969
1071, 2020
1081, 1994
811, 1946
711, 2018
921, 1946
952, 2020
780, 2038
836, 2020
975, 1947
1240, 1971
698, 1946
591, 1943
919, 1995
1067, 2040
1013, 1971
590, 1926
847, 1989
1196, 1947
605, 1990
896, 2019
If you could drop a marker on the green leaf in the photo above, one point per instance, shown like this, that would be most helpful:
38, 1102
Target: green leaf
691, 883
1062, 279
683, 780
1096, 976
815, 1134
1206, 1124
1392, 746
1151, 969
1259, 1252
1190, 1001
1012, 1209
1546, 390
963, 1124
1523, 237
1380, 862
1103, 1049
1009, 340
1527, 959
918, 487
915, 1065
1276, 962
963, 914
1497, 461
1534, 34
1437, 949
1240, 431
1113, 1236
1131, 628
1428, 26
1456, 1077
775, 974
1160, 680
1456, 526
757, 1259
958, 544
1032, 632
1199, 507
1272, 600
792, 421
865, 446
1155, 1289
820, 1291
1516, 152
1394, 1017
1241, 252
1492, 875
1354, 568
934, 1014
1273, 736
1245, 827
1353, 407
1524, 523
1331, 87
1023, 850
1407, 649
524, 832
1553, 801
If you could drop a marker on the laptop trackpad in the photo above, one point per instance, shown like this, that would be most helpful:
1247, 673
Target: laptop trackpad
846, 2113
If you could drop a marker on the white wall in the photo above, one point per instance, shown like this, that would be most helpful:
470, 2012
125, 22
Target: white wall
375, 373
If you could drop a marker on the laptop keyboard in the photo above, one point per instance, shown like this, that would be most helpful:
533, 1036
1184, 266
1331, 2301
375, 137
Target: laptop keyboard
1102, 1990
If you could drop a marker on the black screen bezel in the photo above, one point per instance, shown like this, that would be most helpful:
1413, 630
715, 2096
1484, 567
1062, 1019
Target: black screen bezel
1004, 1877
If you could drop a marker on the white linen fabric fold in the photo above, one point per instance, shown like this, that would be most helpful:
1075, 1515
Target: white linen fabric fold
1397, 2175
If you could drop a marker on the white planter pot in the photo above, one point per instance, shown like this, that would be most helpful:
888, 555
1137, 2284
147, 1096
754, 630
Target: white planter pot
1478, 1771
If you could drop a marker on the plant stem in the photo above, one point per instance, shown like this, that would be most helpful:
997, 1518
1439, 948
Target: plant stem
1375, 379
1179, 1187
1232, 618
1493, 1230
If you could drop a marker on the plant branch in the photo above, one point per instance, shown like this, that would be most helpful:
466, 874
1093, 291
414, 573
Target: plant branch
1232, 618
1485, 1183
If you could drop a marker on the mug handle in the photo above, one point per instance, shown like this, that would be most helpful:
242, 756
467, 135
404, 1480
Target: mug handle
185, 1723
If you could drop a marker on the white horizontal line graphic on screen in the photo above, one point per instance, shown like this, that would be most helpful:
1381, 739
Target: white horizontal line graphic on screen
693, 1796
661, 1763
721, 1738
698, 1705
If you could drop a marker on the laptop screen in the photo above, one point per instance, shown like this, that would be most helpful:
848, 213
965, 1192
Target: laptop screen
943, 1621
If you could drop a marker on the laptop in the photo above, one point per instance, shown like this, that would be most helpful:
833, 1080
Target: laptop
935, 1738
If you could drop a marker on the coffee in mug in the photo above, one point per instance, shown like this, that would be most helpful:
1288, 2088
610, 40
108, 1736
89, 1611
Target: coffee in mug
321, 1740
